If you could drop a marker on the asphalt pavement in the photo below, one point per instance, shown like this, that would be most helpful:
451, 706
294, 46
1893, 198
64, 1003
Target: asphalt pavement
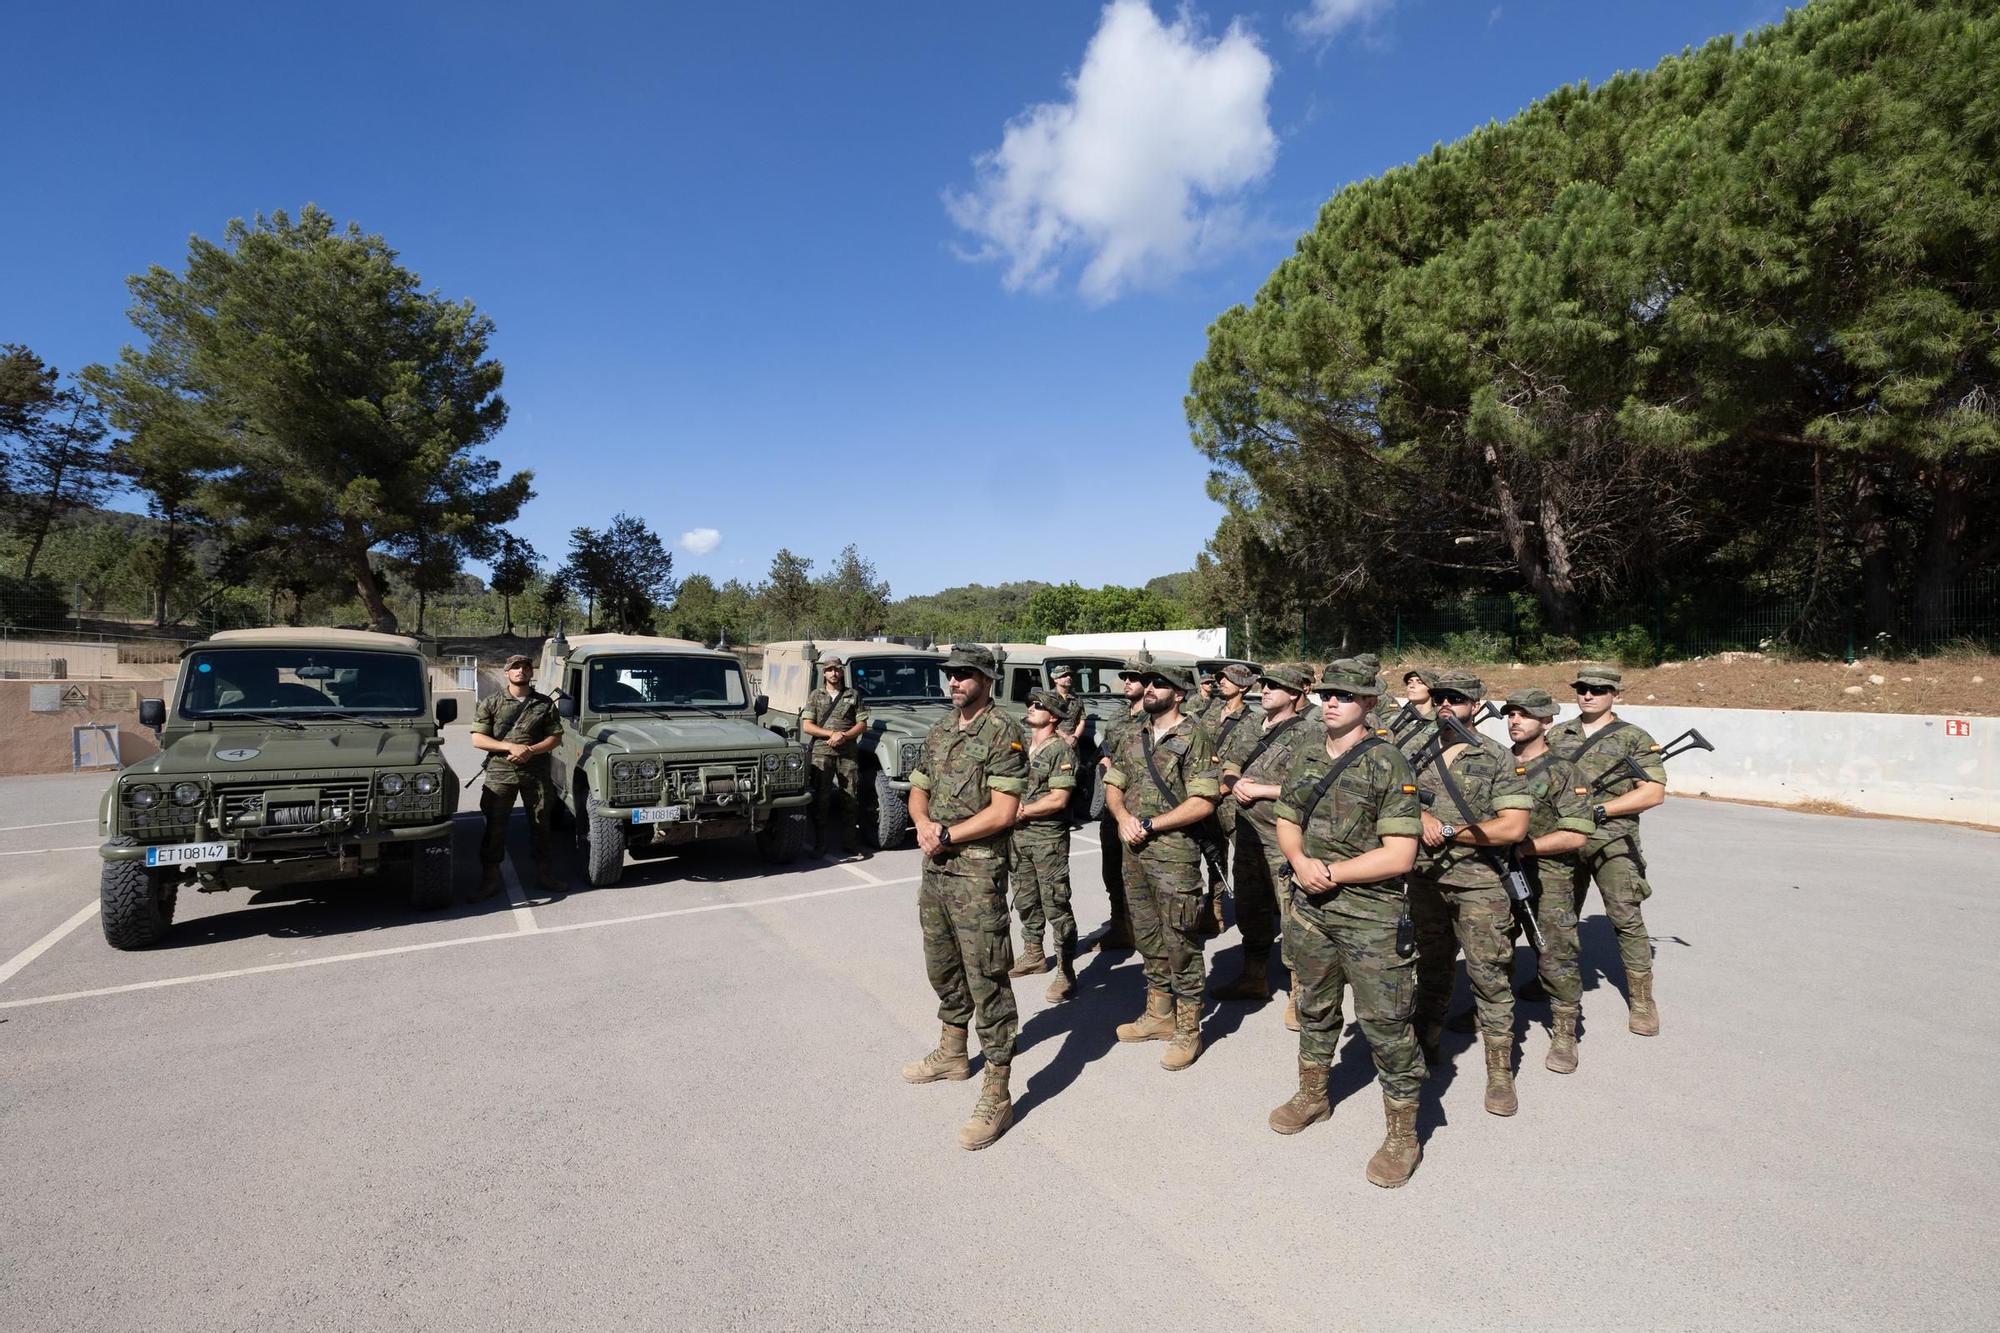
674, 1103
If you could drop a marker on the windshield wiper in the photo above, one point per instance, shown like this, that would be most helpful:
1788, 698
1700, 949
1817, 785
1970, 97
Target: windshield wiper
354, 717
232, 715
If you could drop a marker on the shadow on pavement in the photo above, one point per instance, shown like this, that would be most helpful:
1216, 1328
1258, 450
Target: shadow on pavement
1110, 989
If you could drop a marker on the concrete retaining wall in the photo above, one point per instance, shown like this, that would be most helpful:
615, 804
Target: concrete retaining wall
1923, 767
35, 741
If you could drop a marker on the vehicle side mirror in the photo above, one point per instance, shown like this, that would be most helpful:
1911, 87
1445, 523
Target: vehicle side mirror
153, 713
760, 705
565, 708
447, 712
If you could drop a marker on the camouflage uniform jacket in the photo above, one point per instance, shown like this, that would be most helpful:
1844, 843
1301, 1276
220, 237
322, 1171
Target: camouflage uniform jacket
1116, 729
1071, 714
1051, 768
1600, 759
1270, 766
835, 712
523, 721
1486, 776
961, 767
1222, 725
1374, 798
1415, 738
1562, 800
1187, 767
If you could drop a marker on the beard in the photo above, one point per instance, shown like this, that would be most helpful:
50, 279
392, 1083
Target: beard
1155, 706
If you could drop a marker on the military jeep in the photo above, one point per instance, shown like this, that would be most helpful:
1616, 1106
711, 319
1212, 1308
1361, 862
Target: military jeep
903, 694
287, 756
661, 748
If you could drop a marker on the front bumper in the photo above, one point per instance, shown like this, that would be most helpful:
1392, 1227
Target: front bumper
249, 851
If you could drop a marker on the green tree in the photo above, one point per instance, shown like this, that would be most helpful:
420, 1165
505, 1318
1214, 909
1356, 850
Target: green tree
849, 600
344, 395
788, 597
625, 571
57, 461
516, 563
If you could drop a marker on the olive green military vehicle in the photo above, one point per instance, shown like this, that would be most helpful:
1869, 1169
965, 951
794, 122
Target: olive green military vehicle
286, 756
903, 695
661, 748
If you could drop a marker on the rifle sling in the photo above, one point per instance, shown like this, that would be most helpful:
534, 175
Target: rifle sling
1325, 784
1268, 739
1436, 756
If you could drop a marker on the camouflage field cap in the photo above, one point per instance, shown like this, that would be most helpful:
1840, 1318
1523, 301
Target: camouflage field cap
830, 660
1047, 700
973, 657
1239, 675
1294, 676
1597, 673
1346, 674
1429, 678
1139, 664
1369, 662
1060, 670
1180, 677
518, 659
1534, 702
1460, 682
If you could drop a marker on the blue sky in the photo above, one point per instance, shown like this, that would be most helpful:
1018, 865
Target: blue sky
921, 276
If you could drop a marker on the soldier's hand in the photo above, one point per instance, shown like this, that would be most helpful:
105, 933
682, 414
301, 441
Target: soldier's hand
927, 837
1312, 876
1433, 830
1131, 830
518, 753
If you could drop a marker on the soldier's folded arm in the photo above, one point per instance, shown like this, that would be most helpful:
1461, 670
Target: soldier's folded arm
996, 816
1556, 842
1637, 801
1394, 857
1508, 825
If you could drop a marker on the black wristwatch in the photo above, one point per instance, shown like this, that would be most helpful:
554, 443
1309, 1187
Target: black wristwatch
944, 835
1146, 827
1597, 814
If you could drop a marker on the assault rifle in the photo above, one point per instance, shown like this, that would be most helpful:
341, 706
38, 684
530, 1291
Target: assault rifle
1512, 877
1628, 767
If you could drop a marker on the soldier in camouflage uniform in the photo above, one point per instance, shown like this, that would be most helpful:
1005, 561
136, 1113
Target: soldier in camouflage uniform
1383, 708
1254, 761
833, 718
1118, 932
1456, 895
1598, 742
1161, 785
1039, 849
1412, 731
1073, 725
964, 794
516, 728
1347, 823
1225, 717
1557, 829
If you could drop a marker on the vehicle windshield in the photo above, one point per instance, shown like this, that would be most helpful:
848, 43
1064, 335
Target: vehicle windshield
300, 682
898, 677
665, 682
1090, 677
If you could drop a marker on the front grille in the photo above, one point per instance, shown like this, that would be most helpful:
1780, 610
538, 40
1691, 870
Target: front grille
282, 807
165, 822
913, 754
689, 782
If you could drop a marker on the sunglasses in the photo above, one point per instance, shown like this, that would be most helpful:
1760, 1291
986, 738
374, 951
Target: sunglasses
1450, 697
1336, 696
962, 673
1160, 683
1594, 689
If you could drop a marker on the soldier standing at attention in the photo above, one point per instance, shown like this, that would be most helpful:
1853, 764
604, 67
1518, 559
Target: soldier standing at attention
1412, 732
1225, 717
1254, 764
1347, 822
1070, 717
833, 719
1039, 850
1556, 831
517, 727
964, 794
1599, 742
1378, 713
1479, 807
1132, 680
1161, 784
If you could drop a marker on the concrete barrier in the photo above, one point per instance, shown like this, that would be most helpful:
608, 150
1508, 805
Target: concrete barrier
38, 721
1885, 764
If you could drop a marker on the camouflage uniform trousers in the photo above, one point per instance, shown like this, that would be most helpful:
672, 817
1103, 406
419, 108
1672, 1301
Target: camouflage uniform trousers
1165, 899
1557, 966
1619, 868
1348, 938
836, 779
1262, 904
496, 802
1477, 919
1113, 862
962, 908
1039, 868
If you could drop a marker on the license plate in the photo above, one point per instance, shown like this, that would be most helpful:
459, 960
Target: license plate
189, 854
659, 814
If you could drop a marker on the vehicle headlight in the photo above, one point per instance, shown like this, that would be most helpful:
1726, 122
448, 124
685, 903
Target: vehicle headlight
649, 768
392, 783
770, 763
424, 784
187, 793
143, 797
391, 804
794, 761
622, 770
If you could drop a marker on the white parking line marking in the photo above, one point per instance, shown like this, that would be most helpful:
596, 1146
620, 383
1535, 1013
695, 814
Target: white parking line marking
54, 823
44, 851
524, 918
863, 875
46, 942
429, 945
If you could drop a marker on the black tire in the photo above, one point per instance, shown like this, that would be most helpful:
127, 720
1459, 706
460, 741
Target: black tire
136, 903
1096, 793
430, 873
783, 837
600, 845
887, 819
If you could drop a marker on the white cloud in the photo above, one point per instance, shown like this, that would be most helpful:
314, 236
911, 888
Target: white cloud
1136, 171
1327, 19
700, 541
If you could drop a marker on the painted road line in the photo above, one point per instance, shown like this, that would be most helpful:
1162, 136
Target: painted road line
432, 945
54, 823
524, 917
46, 851
860, 874
46, 942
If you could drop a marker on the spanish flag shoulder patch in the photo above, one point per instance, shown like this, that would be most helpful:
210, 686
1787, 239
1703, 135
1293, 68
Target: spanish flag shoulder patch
1409, 789
1583, 791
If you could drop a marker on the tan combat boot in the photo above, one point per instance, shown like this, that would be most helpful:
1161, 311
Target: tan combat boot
1253, 983
1562, 1038
1033, 960
1645, 1020
992, 1115
1064, 985
1292, 1008
1308, 1106
947, 1061
489, 883
1500, 1099
1396, 1160
1156, 1025
1186, 1045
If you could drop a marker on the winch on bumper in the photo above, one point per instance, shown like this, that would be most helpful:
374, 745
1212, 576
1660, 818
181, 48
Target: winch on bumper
712, 801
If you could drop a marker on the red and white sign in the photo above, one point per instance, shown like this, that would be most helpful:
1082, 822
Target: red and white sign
1957, 726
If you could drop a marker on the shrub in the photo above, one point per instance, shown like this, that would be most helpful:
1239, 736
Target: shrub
1476, 645
1631, 646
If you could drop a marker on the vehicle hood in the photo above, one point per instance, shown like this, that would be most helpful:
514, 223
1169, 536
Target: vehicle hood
693, 733
222, 754
914, 719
